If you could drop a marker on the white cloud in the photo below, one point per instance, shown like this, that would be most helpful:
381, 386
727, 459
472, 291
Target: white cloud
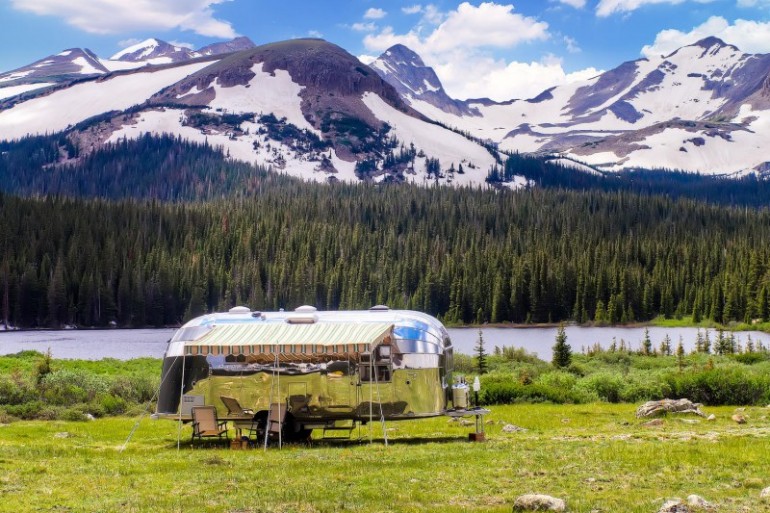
753, 3
750, 36
315, 33
458, 48
577, 4
608, 7
413, 9
367, 59
374, 13
117, 16
182, 44
572, 46
125, 43
364, 27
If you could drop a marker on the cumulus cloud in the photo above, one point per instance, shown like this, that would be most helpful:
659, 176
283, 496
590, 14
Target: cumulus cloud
412, 9
459, 49
117, 16
364, 27
608, 7
577, 4
572, 46
748, 35
374, 13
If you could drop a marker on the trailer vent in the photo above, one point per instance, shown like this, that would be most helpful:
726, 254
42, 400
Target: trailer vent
302, 319
240, 310
380, 308
305, 309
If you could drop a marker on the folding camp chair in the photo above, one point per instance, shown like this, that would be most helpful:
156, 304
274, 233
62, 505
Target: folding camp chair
234, 407
206, 425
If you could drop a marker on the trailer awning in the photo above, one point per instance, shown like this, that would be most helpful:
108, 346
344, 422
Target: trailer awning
285, 341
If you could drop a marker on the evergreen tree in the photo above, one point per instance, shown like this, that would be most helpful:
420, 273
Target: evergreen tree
562, 352
647, 343
481, 354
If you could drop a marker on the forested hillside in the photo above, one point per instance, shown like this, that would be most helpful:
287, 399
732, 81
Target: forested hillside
465, 255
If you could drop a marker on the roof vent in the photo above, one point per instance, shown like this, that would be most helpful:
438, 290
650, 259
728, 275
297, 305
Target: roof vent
306, 309
304, 318
240, 310
380, 308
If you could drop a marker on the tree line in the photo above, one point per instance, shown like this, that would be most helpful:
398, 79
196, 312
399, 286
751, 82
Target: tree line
466, 255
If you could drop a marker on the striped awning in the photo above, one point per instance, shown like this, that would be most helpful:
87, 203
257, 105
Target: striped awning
289, 341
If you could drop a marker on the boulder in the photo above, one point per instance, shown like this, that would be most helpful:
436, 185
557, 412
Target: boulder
654, 423
510, 428
700, 503
652, 408
537, 502
740, 419
712, 417
675, 506
765, 494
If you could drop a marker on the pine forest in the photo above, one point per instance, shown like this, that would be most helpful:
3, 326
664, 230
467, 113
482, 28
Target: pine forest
542, 254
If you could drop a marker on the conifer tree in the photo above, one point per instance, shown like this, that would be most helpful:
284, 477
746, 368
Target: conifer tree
481, 354
562, 352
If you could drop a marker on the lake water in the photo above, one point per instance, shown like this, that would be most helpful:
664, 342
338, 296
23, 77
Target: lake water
127, 344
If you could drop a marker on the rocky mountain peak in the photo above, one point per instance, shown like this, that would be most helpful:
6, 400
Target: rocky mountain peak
405, 70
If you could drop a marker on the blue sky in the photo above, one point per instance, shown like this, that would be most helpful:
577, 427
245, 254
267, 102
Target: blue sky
497, 49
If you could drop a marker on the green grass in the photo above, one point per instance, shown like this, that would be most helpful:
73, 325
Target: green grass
596, 457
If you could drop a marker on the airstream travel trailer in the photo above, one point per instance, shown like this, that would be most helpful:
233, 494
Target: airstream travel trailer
327, 370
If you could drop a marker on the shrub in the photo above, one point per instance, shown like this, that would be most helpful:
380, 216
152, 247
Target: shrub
14, 389
66, 387
112, 405
606, 386
722, 386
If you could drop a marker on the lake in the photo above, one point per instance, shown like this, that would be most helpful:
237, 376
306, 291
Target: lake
127, 344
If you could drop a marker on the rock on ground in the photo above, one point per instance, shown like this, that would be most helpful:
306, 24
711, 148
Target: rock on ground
510, 428
651, 408
765, 494
694, 503
740, 419
537, 502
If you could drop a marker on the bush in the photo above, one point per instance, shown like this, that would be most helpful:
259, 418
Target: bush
66, 387
14, 389
607, 386
722, 386
112, 405
138, 389
506, 389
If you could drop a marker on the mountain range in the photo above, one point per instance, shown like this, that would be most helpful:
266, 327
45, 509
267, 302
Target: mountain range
309, 108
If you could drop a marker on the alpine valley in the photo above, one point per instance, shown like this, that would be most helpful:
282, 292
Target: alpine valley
308, 108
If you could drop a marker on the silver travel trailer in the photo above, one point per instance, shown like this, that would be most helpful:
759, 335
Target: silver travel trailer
322, 370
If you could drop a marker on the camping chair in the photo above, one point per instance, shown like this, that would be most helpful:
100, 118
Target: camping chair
206, 425
234, 408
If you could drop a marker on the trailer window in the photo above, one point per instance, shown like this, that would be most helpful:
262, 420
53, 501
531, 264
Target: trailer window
376, 367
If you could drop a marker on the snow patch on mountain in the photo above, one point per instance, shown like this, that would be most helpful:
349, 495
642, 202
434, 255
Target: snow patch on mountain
268, 153
66, 107
8, 92
437, 142
266, 93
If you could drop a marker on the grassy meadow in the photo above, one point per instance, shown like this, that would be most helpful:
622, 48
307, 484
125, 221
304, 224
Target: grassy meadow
598, 457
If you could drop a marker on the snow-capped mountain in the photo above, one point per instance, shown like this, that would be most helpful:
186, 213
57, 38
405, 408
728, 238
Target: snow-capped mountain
235, 45
705, 107
70, 64
303, 107
404, 69
154, 51
308, 108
